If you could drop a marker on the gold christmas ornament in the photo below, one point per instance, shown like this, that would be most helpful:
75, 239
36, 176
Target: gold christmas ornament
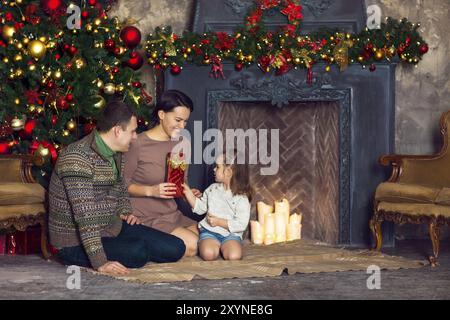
80, 63
100, 84
43, 39
17, 58
120, 88
26, 40
36, 49
17, 101
57, 75
327, 68
71, 125
19, 45
379, 55
8, 32
89, 27
41, 156
5, 60
109, 88
97, 22
65, 133
19, 73
101, 102
32, 67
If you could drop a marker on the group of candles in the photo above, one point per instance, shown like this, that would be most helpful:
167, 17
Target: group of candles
275, 224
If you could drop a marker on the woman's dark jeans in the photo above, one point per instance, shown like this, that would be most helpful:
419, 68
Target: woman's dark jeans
133, 247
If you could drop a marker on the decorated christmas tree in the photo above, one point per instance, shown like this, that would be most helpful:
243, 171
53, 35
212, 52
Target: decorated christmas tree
60, 62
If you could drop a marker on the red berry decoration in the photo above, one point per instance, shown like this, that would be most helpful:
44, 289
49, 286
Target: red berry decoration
135, 62
54, 119
115, 70
110, 44
131, 36
137, 84
175, 70
238, 66
69, 97
57, 56
423, 49
50, 85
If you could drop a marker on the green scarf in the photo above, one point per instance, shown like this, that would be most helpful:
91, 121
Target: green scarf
106, 152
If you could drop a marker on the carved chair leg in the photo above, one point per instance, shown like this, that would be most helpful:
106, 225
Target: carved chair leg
434, 235
375, 227
44, 250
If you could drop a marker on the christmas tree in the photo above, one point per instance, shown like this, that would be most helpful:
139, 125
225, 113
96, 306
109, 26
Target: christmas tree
60, 62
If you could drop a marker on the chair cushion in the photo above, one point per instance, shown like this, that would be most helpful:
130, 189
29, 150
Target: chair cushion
405, 193
12, 193
415, 209
16, 211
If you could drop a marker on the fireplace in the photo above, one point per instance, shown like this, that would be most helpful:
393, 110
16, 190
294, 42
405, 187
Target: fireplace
308, 153
344, 120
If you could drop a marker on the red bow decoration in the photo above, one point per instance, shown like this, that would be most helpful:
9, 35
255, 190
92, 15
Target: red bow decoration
35, 144
216, 68
292, 11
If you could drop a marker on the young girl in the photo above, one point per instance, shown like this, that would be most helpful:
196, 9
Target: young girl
227, 204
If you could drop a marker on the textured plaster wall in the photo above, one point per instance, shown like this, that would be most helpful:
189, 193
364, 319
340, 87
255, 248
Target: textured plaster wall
422, 93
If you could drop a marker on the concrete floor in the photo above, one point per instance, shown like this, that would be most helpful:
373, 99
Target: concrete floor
30, 277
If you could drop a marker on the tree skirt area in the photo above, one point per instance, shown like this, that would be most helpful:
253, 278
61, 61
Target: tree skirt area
301, 256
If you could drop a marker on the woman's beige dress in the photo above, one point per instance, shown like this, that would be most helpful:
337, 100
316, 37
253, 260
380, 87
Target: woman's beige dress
145, 164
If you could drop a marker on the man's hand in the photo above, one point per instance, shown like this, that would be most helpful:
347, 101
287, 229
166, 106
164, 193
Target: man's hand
113, 267
130, 219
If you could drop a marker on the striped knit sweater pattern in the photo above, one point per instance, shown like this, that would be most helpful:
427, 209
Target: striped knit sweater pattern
85, 200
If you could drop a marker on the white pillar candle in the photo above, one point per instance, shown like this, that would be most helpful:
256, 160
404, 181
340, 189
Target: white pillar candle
269, 228
263, 209
284, 208
257, 232
295, 218
280, 227
293, 231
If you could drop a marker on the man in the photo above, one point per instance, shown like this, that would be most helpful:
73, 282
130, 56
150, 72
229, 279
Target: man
90, 220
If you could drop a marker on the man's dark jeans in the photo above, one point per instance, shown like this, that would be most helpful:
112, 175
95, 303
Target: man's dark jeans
133, 247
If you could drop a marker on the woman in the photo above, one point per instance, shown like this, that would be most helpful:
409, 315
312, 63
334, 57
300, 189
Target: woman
145, 166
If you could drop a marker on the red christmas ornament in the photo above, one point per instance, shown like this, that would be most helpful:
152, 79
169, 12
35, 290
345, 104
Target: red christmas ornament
62, 103
51, 85
175, 70
66, 47
73, 51
110, 44
115, 70
57, 56
423, 48
238, 66
4, 147
29, 127
51, 5
9, 16
135, 62
69, 97
131, 36
372, 67
85, 14
116, 51
92, 2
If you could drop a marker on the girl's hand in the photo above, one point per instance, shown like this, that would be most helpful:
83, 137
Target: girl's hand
188, 192
165, 190
216, 222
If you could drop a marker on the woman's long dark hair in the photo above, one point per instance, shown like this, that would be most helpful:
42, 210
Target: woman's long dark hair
169, 100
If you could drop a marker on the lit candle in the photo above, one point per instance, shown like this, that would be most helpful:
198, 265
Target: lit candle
269, 228
257, 232
284, 208
295, 218
263, 209
280, 227
294, 231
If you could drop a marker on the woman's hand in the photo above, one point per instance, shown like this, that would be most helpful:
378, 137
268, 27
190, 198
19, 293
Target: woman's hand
130, 219
113, 267
164, 190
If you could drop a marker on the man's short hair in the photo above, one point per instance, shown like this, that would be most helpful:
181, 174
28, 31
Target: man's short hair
115, 113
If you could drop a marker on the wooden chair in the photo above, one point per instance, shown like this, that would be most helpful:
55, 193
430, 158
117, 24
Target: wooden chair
22, 200
418, 192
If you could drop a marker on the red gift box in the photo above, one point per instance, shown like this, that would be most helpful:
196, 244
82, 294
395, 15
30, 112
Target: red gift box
176, 168
24, 242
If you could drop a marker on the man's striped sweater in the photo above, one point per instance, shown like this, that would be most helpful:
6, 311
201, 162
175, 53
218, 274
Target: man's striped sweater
85, 199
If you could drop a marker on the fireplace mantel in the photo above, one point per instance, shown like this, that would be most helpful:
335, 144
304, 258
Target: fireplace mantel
366, 101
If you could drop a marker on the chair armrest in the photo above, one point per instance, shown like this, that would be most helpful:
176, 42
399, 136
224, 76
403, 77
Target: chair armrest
430, 170
16, 168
